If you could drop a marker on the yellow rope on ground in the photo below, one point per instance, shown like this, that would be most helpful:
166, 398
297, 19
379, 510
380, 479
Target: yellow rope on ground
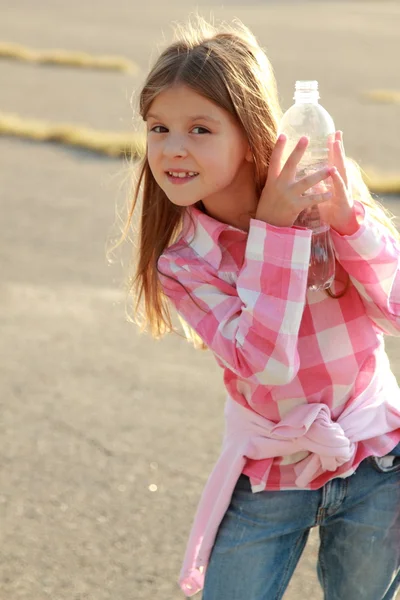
116, 144
66, 58
103, 142
387, 96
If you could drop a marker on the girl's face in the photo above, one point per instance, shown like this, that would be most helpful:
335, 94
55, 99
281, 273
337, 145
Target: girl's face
197, 151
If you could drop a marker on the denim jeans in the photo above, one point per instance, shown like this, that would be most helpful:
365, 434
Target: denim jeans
263, 535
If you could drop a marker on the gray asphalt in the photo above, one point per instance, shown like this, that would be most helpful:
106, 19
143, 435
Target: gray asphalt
107, 436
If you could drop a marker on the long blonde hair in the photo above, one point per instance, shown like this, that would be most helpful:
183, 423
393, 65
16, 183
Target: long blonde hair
227, 66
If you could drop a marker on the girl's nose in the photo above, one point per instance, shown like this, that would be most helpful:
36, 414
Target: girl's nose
175, 147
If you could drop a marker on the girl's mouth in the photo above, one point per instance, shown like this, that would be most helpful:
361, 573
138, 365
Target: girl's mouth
179, 177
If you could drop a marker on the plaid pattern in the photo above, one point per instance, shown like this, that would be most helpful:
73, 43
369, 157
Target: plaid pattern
280, 345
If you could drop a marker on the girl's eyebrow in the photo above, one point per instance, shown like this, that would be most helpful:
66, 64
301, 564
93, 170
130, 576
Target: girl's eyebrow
204, 118
195, 118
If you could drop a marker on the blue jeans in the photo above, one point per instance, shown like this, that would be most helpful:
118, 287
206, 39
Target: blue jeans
263, 535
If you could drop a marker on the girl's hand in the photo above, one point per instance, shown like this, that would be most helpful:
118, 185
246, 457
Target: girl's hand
339, 212
282, 198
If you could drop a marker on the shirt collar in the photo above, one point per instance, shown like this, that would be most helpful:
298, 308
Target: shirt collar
203, 235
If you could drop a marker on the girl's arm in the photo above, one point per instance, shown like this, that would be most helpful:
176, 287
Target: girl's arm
253, 327
372, 258
364, 247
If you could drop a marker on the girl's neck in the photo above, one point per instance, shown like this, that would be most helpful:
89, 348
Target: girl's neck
237, 205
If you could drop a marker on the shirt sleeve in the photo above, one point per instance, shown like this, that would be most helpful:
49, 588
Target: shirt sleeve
371, 258
252, 327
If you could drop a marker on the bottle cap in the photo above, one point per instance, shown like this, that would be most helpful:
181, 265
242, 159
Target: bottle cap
306, 89
306, 86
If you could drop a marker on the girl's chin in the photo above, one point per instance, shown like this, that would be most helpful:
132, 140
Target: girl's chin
185, 202
182, 199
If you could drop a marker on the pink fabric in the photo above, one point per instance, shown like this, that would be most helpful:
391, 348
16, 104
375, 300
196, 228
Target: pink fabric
309, 386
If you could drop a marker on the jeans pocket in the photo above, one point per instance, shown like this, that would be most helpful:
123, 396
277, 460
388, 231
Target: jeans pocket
384, 466
243, 484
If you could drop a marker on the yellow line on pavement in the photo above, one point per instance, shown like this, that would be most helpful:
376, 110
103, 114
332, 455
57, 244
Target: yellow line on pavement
385, 96
112, 144
379, 184
66, 58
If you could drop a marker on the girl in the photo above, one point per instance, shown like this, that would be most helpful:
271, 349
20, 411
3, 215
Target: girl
313, 409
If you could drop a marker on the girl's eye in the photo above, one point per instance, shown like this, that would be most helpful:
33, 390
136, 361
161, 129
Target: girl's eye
200, 130
159, 129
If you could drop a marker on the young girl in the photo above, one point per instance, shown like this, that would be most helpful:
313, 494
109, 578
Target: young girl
313, 409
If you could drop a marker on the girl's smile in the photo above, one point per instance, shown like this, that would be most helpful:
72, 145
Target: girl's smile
179, 176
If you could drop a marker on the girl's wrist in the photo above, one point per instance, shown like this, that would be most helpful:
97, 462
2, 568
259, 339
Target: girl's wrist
349, 228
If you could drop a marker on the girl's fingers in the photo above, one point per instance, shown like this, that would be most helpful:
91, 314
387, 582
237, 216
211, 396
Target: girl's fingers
311, 199
290, 166
275, 162
340, 160
332, 138
338, 182
341, 190
300, 187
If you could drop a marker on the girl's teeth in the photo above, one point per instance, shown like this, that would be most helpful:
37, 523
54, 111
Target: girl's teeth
182, 175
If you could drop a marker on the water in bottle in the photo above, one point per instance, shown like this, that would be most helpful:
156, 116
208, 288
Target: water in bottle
308, 118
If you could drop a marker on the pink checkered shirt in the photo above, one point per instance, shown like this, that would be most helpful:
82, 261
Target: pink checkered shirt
310, 392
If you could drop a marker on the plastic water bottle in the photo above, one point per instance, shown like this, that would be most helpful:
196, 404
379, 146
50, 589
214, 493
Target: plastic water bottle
307, 117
